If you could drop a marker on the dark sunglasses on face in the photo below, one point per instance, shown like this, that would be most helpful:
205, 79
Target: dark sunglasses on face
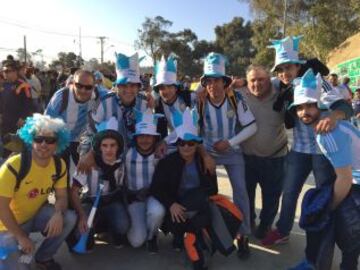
84, 86
188, 143
47, 140
8, 70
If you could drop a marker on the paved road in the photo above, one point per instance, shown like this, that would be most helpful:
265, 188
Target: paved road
106, 257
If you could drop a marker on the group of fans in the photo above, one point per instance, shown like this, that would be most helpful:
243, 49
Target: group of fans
145, 161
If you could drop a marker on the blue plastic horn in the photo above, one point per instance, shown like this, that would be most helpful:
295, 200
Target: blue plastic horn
80, 246
6, 251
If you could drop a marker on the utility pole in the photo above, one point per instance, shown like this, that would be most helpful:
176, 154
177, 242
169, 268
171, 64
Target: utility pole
25, 52
80, 50
102, 41
284, 20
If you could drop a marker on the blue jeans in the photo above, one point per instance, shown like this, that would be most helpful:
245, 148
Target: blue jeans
146, 218
269, 174
112, 217
37, 224
233, 162
298, 168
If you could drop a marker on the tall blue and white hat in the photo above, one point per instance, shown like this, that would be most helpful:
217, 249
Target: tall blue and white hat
165, 72
286, 51
186, 125
307, 89
146, 123
214, 66
107, 129
98, 75
127, 69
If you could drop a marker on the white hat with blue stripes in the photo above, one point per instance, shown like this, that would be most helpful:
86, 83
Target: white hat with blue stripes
214, 67
307, 89
286, 51
186, 125
146, 123
165, 72
127, 69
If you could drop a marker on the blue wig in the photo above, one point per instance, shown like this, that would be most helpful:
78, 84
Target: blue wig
37, 123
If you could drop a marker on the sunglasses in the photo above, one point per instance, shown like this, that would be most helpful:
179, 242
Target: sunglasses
47, 140
188, 143
8, 70
84, 86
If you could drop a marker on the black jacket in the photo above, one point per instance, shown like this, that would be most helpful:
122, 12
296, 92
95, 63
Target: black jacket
168, 175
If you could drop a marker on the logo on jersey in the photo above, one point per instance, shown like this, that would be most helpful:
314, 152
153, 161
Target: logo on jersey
230, 114
33, 193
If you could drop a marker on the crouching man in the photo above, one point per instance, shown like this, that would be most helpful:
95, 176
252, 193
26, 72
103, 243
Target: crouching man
341, 147
26, 180
111, 214
146, 212
182, 186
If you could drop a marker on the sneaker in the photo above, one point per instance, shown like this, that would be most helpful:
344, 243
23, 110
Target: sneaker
274, 237
152, 246
304, 265
48, 265
119, 241
261, 231
243, 249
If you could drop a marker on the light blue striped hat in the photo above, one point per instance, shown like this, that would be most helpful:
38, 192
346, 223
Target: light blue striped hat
127, 69
286, 51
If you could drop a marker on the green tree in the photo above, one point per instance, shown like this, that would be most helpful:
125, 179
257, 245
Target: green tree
67, 60
151, 35
324, 23
234, 40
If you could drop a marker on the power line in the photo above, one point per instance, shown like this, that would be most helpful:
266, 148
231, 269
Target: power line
41, 30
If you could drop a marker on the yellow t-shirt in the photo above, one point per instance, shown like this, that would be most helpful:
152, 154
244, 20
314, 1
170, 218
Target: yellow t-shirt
33, 191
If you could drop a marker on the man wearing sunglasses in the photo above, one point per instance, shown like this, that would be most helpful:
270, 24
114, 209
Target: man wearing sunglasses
15, 100
73, 104
24, 204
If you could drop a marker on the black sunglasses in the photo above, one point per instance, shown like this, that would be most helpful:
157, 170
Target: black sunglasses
8, 70
86, 87
47, 140
188, 143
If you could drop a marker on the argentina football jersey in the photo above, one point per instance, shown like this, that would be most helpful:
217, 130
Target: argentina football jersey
342, 147
111, 105
220, 121
139, 169
75, 114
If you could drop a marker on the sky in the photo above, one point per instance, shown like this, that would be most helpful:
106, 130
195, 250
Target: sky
53, 25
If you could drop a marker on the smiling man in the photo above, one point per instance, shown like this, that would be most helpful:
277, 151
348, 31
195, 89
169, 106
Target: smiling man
341, 148
73, 104
24, 194
120, 104
225, 122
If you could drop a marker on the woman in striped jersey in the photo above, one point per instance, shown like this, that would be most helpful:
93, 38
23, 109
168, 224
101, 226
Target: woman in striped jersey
146, 213
111, 213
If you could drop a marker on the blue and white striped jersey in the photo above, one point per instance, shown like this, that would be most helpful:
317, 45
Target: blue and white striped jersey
91, 181
342, 147
179, 104
75, 115
111, 105
220, 120
139, 169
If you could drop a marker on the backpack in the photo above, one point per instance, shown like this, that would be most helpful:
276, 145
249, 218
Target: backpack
233, 99
25, 165
65, 98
